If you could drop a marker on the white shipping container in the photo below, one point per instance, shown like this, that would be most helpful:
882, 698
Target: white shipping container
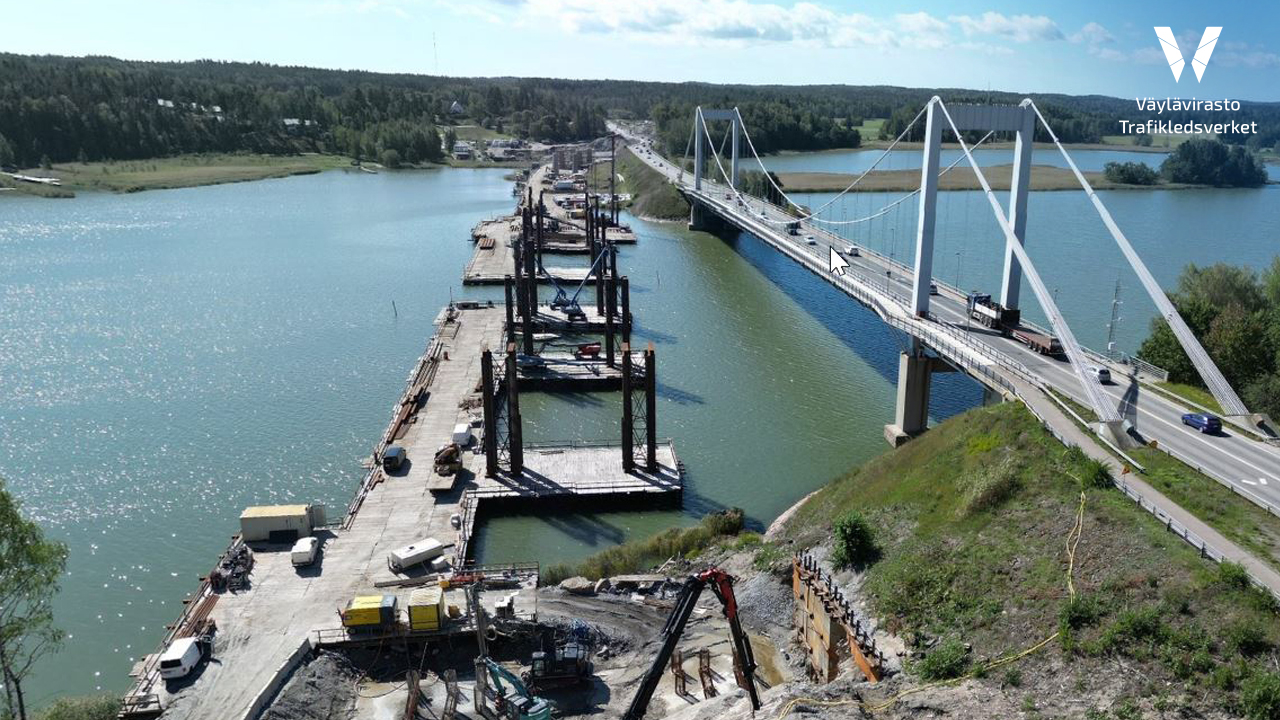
410, 555
259, 522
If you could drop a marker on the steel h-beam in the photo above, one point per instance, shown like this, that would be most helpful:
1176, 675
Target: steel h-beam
530, 288
628, 418
1018, 193
507, 287
651, 410
928, 210
515, 436
490, 412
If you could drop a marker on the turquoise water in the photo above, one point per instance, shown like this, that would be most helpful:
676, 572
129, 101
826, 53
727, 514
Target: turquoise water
169, 357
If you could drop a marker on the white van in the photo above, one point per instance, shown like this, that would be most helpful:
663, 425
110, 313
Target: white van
304, 551
181, 658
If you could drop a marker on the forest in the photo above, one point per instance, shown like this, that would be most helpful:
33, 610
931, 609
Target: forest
59, 109
1236, 312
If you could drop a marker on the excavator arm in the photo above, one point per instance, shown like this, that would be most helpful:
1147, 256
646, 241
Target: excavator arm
722, 585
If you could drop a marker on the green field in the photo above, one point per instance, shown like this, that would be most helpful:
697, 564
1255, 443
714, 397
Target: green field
1158, 140
870, 128
183, 171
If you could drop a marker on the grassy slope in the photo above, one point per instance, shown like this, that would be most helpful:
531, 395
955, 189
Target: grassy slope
651, 195
640, 555
1194, 394
973, 519
186, 171
1233, 515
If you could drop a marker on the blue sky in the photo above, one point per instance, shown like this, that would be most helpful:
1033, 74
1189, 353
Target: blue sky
1082, 47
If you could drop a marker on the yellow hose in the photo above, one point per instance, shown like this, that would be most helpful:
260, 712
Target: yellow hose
1073, 542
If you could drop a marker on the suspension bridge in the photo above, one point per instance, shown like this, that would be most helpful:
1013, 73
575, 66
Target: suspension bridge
1046, 368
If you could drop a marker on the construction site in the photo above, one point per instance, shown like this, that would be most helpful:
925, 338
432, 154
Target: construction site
380, 611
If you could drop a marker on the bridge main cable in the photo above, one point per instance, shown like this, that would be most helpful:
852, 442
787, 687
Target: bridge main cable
1213, 377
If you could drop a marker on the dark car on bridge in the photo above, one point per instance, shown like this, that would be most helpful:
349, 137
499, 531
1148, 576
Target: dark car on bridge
1203, 422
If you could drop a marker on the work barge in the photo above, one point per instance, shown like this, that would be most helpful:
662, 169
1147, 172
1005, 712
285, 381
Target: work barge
456, 434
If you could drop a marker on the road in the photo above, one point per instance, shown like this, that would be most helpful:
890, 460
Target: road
1231, 457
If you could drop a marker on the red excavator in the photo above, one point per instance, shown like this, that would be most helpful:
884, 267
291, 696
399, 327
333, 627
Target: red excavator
722, 585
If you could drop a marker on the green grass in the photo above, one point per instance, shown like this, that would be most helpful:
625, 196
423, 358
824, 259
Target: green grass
1194, 394
1239, 520
992, 572
187, 170
720, 528
870, 128
651, 195
81, 708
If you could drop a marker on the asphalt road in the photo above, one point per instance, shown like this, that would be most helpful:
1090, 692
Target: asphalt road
1230, 456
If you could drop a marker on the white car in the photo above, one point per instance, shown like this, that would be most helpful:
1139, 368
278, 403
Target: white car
852, 251
810, 240
1101, 374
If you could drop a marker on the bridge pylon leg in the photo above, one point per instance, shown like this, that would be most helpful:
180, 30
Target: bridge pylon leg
911, 415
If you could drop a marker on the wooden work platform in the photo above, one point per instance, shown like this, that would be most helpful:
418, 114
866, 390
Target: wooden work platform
550, 320
491, 266
563, 371
566, 476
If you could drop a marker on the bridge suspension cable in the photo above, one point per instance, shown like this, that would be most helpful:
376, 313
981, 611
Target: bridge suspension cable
1209, 372
1106, 412
811, 215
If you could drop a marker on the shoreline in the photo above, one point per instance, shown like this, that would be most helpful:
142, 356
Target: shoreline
188, 171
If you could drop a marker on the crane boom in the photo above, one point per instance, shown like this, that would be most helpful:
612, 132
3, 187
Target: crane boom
722, 586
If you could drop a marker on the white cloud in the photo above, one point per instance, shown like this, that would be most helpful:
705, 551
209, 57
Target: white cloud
725, 21
1093, 34
1019, 28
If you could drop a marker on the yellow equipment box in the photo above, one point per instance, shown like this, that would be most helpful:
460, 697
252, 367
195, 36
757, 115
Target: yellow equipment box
366, 611
426, 608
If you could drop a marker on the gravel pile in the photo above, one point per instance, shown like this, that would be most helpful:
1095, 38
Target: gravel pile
325, 689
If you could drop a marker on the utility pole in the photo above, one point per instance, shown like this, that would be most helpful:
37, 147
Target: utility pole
613, 176
1115, 319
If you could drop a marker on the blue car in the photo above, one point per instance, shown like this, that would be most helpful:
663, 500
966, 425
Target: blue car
1204, 422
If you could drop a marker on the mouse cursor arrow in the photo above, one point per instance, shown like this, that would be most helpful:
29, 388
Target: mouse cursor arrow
838, 264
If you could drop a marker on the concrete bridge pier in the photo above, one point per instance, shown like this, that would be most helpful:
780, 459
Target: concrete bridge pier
700, 218
911, 414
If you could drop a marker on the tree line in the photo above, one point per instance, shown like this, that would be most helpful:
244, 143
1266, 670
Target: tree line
98, 108
1235, 312
1198, 161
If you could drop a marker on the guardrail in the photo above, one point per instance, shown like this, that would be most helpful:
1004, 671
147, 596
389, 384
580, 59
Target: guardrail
928, 334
